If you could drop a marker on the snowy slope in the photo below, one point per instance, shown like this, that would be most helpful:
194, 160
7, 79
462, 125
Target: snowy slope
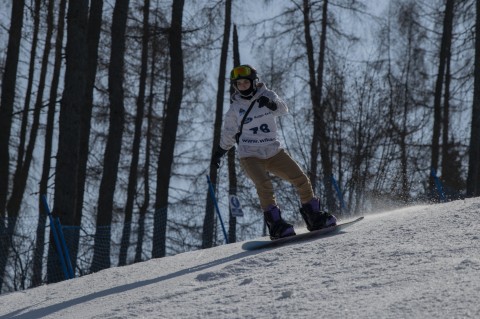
418, 262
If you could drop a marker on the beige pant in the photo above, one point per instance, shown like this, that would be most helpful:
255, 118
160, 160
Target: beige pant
281, 165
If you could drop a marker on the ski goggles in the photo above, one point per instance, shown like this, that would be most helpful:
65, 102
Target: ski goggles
240, 71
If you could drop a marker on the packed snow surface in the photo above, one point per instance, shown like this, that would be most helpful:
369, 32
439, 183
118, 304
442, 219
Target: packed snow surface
416, 262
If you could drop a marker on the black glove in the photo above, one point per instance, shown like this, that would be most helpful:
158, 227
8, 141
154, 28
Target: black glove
217, 156
265, 101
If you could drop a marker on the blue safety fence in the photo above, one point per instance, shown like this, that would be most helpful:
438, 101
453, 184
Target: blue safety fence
76, 244
438, 185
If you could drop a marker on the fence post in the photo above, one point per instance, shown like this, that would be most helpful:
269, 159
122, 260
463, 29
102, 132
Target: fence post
56, 239
438, 185
212, 193
339, 194
65, 248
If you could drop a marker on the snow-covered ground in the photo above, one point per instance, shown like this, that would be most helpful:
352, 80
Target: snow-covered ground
418, 262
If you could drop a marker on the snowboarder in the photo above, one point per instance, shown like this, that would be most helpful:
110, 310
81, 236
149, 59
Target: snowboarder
250, 122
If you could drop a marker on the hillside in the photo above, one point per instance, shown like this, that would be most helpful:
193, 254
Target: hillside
418, 262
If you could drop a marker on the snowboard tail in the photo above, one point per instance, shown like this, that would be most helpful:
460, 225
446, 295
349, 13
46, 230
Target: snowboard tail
265, 243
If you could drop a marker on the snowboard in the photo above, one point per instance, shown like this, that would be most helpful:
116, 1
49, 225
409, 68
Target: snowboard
267, 243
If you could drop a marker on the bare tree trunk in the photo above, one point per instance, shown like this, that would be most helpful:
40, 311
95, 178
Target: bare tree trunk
320, 137
446, 159
24, 156
132, 178
232, 174
169, 131
101, 252
93, 38
21, 175
208, 222
66, 172
26, 109
146, 173
437, 108
403, 130
404, 151
6, 109
47, 153
473, 180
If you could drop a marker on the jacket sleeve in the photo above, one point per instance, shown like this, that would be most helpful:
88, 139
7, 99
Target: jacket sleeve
229, 130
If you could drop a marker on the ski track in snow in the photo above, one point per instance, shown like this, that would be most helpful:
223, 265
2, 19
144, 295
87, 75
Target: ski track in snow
416, 262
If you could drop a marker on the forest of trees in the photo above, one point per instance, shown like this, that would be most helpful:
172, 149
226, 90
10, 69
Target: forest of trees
112, 109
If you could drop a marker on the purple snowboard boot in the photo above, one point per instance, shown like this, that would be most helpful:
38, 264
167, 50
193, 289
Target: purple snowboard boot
277, 227
314, 218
